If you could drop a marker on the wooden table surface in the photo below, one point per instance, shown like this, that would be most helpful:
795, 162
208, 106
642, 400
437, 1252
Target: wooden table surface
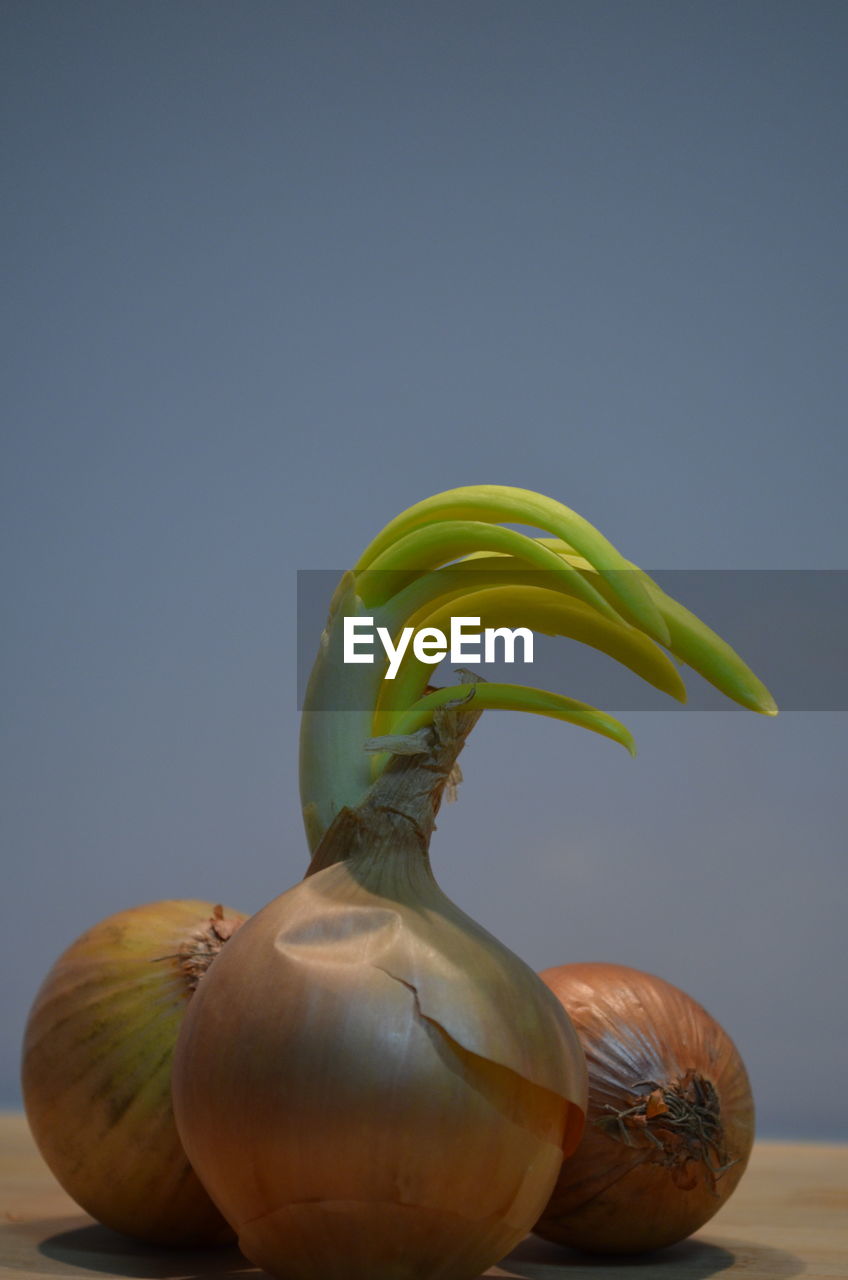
788, 1217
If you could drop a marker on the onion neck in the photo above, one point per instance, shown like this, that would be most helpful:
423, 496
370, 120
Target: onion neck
398, 812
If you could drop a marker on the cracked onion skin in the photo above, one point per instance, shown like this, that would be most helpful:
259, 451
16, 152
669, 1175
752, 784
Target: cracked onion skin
670, 1124
97, 1064
370, 1085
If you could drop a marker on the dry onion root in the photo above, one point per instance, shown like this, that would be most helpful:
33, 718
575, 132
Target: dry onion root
671, 1117
97, 1069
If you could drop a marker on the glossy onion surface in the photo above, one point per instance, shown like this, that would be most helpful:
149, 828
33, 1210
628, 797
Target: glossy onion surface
97, 1069
371, 1086
671, 1117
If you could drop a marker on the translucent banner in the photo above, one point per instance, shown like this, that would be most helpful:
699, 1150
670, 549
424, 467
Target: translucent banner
789, 625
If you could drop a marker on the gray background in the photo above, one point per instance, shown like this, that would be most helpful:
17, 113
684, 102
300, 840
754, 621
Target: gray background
272, 272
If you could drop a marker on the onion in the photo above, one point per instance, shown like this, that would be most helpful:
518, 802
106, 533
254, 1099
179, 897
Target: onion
369, 1084
671, 1117
97, 1066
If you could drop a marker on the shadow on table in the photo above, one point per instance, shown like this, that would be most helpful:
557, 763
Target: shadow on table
61, 1248
692, 1259
57, 1247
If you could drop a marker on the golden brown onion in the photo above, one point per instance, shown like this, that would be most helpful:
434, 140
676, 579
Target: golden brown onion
97, 1069
671, 1118
370, 1085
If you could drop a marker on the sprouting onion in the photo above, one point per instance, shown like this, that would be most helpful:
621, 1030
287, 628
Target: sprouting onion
671, 1116
370, 1086
368, 1083
97, 1069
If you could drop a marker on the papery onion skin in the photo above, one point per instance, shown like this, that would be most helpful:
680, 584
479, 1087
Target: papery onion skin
97, 1064
671, 1117
371, 1086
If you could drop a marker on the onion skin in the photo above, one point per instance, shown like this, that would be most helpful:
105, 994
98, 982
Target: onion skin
371, 1086
97, 1064
648, 1047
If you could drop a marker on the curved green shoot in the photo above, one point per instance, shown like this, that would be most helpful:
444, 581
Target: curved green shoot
592, 594
693, 642
515, 697
713, 658
432, 545
543, 610
501, 503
